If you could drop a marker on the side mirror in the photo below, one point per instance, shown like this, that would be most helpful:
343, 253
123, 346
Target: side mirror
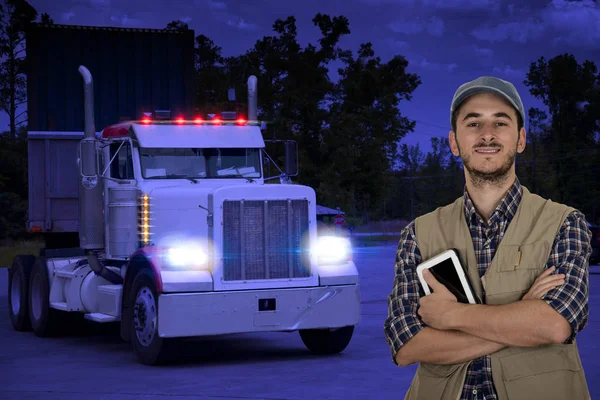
291, 158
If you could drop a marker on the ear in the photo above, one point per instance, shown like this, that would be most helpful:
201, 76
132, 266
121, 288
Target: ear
522, 140
453, 143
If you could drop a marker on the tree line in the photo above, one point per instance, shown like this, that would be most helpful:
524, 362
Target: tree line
350, 130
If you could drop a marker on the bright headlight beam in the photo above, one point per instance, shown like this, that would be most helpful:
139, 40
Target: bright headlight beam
183, 257
332, 249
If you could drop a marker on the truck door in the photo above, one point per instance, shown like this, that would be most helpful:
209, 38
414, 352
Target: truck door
120, 194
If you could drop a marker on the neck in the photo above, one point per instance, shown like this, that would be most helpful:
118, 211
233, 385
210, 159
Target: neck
487, 195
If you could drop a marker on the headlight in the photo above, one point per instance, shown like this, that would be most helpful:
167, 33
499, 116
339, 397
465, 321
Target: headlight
186, 257
332, 250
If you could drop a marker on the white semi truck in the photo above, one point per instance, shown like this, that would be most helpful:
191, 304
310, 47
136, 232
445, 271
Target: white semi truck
179, 236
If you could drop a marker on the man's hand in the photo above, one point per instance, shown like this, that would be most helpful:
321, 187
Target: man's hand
543, 284
436, 309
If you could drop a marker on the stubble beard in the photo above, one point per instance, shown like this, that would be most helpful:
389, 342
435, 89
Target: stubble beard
486, 178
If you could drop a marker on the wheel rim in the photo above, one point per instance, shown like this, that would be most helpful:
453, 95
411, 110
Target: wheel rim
144, 316
36, 297
15, 293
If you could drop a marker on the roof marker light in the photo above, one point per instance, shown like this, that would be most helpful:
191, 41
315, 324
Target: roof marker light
180, 120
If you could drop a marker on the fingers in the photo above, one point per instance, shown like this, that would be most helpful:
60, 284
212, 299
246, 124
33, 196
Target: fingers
547, 272
544, 283
431, 281
538, 293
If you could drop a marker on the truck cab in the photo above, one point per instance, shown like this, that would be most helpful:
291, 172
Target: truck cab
182, 235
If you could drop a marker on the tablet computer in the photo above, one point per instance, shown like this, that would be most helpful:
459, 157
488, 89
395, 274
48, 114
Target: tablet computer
446, 268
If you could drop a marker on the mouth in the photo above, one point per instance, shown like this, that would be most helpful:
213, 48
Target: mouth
487, 150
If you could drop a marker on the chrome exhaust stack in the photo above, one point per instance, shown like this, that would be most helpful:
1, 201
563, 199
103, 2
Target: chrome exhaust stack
252, 99
91, 207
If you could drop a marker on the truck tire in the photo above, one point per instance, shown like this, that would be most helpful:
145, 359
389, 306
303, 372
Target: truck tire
18, 292
327, 341
149, 348
45, 321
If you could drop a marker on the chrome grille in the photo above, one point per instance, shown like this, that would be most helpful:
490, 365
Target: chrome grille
265, 239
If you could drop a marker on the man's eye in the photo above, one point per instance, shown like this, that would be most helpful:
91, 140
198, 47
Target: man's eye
501, 123
472, 124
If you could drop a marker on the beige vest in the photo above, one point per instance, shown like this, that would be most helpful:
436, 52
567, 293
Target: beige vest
547, 372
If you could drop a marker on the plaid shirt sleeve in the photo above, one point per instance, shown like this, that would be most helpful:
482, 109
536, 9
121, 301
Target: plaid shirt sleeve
570, 254
403, 322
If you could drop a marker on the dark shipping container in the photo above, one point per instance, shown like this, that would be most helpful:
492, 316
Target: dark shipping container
134, 71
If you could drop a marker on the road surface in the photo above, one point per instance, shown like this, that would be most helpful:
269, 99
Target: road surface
95, 364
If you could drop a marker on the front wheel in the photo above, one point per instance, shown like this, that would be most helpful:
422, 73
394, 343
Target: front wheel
327, 341
149, 348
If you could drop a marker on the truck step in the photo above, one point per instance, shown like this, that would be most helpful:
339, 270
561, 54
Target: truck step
109, 300
61, 273
99, 317
59, 305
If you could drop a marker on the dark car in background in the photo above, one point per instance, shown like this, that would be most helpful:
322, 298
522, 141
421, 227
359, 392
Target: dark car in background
595, 257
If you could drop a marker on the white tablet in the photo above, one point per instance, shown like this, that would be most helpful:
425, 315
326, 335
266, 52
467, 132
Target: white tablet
446, 268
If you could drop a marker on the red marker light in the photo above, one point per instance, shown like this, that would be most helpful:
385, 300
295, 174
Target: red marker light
241, 121
180, 120
198, 120
146, 120
217, 121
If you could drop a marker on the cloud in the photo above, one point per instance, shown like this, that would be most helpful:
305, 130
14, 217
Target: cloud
520, 32
423, 63
458, 5
100, 3
241, 24
66, 16
576, 22
125, 20
571, 22
466, 5
510, 72
398, 44
216, 5
433, 25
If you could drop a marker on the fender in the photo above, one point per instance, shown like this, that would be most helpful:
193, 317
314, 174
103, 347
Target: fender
144, 257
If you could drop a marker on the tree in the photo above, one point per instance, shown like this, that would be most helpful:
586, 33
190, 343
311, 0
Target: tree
571, 92
177, 25
366, 120
46, 20
15, 16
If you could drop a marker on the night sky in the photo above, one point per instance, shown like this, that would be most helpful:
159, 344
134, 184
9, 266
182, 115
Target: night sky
446, 41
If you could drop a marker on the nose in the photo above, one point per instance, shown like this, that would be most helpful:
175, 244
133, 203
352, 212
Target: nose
487, 134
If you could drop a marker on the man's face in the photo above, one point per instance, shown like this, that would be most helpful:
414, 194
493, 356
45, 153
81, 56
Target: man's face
487, 138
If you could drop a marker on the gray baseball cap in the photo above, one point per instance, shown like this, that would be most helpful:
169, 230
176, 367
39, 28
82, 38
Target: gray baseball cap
488, 84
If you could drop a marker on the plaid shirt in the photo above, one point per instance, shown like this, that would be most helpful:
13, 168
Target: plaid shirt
570, 254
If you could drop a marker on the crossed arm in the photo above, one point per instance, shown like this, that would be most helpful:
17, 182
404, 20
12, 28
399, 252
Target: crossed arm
436, 329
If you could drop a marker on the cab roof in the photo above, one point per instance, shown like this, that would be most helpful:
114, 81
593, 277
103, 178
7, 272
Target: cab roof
188, 135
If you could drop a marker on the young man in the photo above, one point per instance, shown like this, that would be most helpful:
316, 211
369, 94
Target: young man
527, 260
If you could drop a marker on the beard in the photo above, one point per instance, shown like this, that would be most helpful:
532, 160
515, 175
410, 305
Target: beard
482, 177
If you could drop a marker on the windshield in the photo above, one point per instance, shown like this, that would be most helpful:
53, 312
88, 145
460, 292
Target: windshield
166, 163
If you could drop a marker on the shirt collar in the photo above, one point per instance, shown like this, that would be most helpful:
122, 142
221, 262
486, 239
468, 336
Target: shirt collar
507, 206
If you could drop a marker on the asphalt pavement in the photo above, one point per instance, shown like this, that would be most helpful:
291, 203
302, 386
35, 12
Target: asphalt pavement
93, 363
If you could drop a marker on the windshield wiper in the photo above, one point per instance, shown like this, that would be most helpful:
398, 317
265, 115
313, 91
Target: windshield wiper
176, 176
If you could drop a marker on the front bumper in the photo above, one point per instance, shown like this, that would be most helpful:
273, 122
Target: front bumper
214, 313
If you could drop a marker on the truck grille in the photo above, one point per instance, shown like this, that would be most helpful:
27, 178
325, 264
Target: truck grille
265, 239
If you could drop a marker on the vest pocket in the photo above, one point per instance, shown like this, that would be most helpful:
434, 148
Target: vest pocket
440, 382
514, 270
549, 373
